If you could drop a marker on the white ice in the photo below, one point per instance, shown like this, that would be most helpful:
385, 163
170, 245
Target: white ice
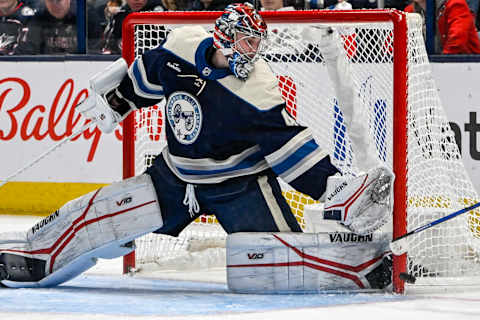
104, 293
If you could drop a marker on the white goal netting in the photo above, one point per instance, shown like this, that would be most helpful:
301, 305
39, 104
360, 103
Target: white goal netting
425, 153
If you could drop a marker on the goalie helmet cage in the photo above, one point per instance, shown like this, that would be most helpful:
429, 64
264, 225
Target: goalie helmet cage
404, 122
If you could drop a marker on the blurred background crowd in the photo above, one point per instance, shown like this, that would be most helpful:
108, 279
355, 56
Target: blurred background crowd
29, 27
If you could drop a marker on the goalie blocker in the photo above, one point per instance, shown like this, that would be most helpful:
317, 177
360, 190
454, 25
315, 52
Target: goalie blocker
307, 262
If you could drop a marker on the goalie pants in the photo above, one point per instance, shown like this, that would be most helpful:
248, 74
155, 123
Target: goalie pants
244, 204
101, 224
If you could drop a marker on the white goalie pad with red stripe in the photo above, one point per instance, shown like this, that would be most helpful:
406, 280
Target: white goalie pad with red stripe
307, 262
96, 225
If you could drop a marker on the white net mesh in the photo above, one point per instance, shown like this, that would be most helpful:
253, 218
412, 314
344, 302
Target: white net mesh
437, 182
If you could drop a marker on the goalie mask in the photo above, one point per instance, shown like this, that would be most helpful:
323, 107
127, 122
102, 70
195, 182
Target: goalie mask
239, 34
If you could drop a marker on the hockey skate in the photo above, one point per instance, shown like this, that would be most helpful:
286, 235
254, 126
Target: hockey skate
15, 266
18, 268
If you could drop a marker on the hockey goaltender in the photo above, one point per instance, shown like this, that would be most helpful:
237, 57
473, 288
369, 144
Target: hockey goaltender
229, 138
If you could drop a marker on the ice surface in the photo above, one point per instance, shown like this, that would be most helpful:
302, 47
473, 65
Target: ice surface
104, 293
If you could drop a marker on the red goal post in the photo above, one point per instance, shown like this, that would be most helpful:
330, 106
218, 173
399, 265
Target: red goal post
398, 49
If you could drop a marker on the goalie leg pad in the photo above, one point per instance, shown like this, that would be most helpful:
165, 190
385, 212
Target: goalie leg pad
362, 204
69, 241
285, 262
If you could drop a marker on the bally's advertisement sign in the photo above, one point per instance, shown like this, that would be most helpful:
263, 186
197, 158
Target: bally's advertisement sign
37, 111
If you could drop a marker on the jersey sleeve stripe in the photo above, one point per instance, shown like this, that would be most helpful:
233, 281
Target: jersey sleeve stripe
289, 148
141, 85
297, 156
304, 165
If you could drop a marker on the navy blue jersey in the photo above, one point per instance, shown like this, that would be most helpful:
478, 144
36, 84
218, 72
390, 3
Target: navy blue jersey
220, 127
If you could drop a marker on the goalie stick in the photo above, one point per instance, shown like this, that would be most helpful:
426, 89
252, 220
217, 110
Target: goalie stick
46, 153
400, 245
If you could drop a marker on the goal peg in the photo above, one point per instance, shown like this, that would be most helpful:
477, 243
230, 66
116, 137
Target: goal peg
408, 278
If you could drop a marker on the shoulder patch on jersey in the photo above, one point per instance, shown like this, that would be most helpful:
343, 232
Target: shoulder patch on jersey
261, 88
184, 41
27, 12
206, 71
184, 115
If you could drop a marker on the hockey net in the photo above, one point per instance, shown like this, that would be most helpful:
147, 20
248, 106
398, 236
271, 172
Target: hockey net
404, 122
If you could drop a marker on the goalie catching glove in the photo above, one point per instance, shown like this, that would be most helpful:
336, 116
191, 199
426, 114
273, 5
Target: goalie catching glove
103, 106
362, 204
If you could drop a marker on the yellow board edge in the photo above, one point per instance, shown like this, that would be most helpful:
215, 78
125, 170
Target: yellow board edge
40, 198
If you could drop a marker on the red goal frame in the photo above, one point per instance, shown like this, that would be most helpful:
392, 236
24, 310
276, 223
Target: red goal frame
400, 94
